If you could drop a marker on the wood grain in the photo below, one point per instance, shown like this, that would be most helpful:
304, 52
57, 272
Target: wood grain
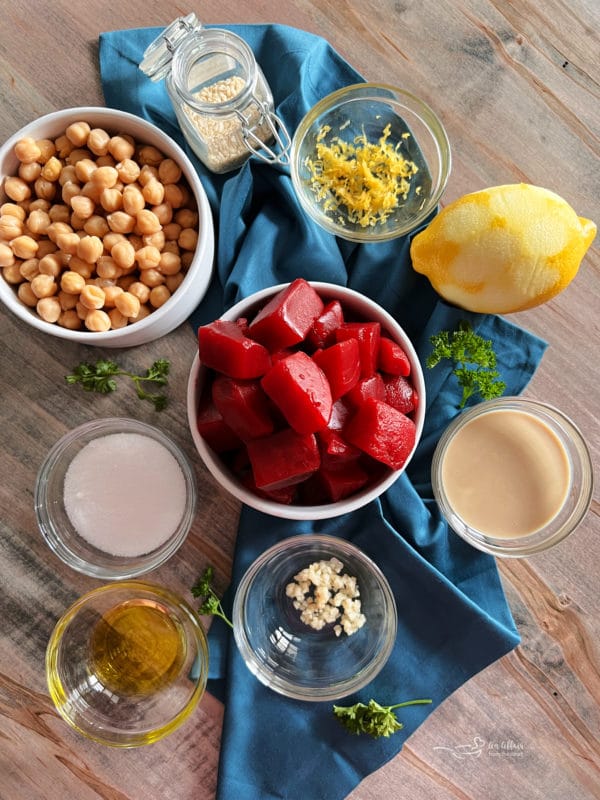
517, 87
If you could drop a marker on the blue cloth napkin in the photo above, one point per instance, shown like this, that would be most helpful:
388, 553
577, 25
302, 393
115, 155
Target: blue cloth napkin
453, 616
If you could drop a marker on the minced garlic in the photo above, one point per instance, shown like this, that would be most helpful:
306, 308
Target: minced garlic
366, 180
324, 595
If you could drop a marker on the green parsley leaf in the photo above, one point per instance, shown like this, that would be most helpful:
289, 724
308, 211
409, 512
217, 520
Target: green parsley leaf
210, 605
373, 719
100, 377
474, 361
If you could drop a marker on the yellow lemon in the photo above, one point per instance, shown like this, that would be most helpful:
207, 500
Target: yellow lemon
503, 249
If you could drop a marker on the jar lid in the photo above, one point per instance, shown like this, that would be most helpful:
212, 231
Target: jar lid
156, 62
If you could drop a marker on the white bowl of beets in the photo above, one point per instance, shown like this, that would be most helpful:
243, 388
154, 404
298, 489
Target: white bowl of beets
305, 400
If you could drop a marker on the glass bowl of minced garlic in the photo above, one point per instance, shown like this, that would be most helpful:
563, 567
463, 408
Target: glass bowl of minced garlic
370, 162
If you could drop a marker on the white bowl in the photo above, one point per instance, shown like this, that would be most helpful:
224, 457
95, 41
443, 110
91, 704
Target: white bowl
364, 308
193, 288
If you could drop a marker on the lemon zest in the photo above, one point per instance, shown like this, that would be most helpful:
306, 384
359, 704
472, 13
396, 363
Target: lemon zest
367, 180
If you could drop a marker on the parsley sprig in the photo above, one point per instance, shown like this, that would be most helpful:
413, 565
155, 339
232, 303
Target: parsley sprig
474, 361
211, 605
100, 377
374, 719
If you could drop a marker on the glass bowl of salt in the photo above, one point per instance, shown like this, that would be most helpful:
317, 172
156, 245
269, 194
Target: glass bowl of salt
115, 498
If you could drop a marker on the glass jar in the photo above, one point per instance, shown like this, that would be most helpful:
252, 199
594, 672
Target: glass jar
220, 96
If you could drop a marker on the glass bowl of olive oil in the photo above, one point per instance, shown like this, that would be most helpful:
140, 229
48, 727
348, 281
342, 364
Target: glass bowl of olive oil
127, 663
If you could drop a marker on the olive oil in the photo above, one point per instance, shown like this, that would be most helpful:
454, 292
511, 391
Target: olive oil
137, 648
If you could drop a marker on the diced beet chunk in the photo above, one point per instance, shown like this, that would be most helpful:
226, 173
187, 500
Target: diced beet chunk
383, 432
391, 358
213, 428
368, 388
400, 393
300, 390
341, 365
340, 413
223, 346
243, 405
342, 481
283, 495
368, 335
334, 448
287, 318
283, 459
322, 333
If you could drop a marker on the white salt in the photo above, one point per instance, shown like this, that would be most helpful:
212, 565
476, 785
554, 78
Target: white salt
125, 493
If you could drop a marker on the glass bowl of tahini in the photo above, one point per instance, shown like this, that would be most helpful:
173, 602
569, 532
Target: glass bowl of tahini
115, 498
512, 476
127, 663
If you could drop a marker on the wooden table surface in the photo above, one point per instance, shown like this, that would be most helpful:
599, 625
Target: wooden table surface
516, 83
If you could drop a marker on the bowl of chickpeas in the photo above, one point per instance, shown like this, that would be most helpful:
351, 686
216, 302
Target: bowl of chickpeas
106, 233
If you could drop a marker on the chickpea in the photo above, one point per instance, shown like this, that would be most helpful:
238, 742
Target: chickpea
153, 192
68, 242
188, 239
186, 218
17, 189
148, 173
43, 286
83, 206
159, 296
145, 311
59, 213
186, 259
92, 191
69, 191
84, 169
68, 174
117, 320
110, 239
124, 254
10, 227
155, 239
111, 292
47, 150
128, 170
120, 222
125, 281
121, 147
169, 171
38, 222
148, 257
26, 295
105, 177
91, 296
7, 257
174, 195
97, 321
71, 282
30, 172
164, 212
12, 273
140, 290
12, 210
27, 150
81, 267
172, 231
77, 223
105, 161
30, 268
58, 227
133, 199
170, 263
111, 199
24, 247
70, 320
151, 277
51, 264
128, 304
147, 222
45, 247
90, 248
77, 155
63, 146
77, 133
97, 141
96, 225
106, 268
150, 155
51, 169
48, 308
